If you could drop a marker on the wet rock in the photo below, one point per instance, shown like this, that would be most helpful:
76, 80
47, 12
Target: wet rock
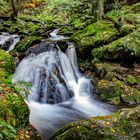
8, 43
27, 42
39, 48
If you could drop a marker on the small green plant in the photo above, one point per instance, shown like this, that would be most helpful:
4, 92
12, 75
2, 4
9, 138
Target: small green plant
7, 132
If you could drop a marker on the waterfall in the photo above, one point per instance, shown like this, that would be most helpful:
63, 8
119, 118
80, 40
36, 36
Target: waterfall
8, 42
60, 93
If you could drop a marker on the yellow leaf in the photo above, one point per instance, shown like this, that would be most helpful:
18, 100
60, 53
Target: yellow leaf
113, 130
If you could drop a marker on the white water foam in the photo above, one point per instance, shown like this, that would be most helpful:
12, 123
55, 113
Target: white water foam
11, 39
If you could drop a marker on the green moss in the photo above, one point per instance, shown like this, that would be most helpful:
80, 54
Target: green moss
124, 48
102, 68
95, 34
6, 61
117, 92
13, 110
27, 42
127, 28
108, 90
136, 94
7, 131
131, 80
127, 14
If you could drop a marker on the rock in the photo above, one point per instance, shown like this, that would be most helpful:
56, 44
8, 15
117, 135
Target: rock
7, 43
136, 94
126, 48
131, 80
39, 48
27, 42
94, 35
124, 124
117, 92
108, 91
107, 69
115, 25
14, 112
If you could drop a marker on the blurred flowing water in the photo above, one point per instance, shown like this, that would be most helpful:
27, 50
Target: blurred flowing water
60, 93
8, 42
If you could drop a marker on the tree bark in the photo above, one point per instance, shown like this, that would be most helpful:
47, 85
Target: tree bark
14, 5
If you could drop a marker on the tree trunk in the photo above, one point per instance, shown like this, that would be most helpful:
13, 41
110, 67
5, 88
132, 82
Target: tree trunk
14, 5
100, 9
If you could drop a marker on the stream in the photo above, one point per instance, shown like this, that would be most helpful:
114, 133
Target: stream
8, 42
60, 93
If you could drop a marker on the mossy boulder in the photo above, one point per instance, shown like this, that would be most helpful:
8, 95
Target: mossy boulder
125, 48
94, 35
106, 69
123, 124
23, 26
117, 92
117, 23
27, 42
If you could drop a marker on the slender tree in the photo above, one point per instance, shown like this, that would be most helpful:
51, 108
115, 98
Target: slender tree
100, 9
15, 8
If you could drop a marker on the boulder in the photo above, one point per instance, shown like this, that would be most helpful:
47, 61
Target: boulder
125, 48
94, 35
26, 42
117, 92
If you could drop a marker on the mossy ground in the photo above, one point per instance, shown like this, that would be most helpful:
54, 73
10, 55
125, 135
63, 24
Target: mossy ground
14, 113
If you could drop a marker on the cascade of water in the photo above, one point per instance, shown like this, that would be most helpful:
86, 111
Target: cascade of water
59, 94
8, 42
55, 37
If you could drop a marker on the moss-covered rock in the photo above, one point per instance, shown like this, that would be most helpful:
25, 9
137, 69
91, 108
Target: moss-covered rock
27, 42
103, 69
23, 26
108, 91
117, 92
125, 48
94, 35
124, 124
117, 23
6, 62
